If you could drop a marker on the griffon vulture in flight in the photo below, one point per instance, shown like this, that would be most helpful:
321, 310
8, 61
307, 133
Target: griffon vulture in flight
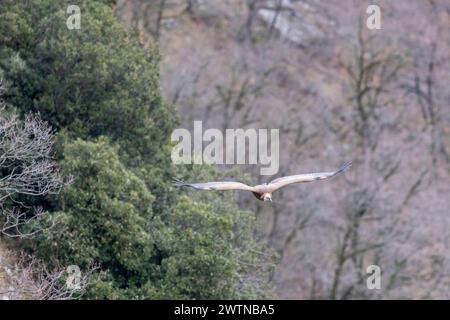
263, 191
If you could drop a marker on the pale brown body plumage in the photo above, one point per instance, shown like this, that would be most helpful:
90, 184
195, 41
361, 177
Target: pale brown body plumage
263, 191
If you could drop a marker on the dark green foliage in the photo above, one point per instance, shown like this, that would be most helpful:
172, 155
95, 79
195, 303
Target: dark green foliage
100, 89
105, 213
93, 81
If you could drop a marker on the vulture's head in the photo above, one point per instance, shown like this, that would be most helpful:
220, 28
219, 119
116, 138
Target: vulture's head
267, 197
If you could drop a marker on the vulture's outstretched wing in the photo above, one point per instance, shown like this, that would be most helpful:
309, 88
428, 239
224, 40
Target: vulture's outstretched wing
307, 177
219, 185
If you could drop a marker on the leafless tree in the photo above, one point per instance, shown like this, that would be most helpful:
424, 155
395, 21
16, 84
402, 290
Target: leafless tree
26, 170
29, 278
423, 87
236, 96
370, 225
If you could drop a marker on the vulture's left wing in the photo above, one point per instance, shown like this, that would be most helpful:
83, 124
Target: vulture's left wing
306, 177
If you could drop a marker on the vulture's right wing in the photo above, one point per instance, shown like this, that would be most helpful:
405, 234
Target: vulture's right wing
216, 185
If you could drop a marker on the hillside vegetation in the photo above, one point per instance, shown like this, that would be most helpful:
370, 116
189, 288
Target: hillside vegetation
86, 118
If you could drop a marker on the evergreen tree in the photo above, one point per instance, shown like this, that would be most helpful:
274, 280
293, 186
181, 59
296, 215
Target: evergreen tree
100, 89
